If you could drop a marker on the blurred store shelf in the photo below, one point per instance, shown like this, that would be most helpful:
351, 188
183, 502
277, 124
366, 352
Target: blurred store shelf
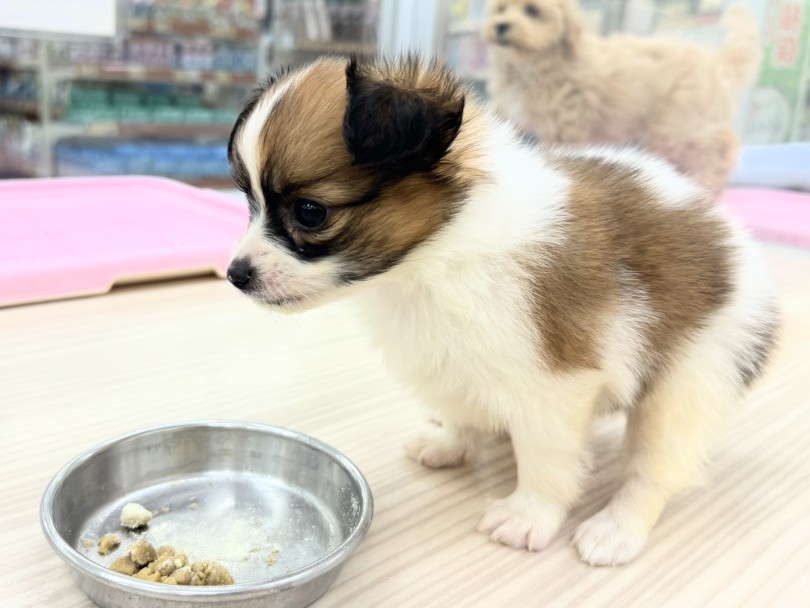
158, 129
336, 47
22, 107
16, 169
200, 29
464, 26
9, 63
135, 73
158, 98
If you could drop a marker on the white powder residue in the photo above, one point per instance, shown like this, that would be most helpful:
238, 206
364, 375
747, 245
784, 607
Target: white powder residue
228, 540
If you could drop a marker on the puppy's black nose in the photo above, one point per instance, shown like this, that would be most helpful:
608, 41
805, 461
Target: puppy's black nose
240, 272
502, 28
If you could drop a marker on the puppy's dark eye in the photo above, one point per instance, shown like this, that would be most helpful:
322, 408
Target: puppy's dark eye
501, 8
532, 11
309, 214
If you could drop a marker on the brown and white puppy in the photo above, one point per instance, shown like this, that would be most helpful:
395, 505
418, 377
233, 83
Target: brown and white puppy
674, 98
520, 290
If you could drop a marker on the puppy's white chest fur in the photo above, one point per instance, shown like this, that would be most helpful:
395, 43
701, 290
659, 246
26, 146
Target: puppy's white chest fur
460, 342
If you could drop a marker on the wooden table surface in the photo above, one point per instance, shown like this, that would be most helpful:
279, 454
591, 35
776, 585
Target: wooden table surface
79, 372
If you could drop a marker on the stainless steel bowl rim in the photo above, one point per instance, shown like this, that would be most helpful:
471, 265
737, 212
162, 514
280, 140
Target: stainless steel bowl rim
242, 590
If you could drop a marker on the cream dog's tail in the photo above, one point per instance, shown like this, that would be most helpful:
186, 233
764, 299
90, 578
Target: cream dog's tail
741, 52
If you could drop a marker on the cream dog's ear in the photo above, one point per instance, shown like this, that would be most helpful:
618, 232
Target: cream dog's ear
572, 27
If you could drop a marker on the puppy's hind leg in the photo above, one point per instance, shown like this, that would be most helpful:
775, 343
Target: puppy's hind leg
667, 442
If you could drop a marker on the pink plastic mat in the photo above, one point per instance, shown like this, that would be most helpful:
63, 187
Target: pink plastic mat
779, 216
69, 237
62, 238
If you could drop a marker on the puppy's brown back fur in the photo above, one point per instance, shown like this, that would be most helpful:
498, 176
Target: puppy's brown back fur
618, 229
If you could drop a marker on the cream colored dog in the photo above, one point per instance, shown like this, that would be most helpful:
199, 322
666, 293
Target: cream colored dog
674, 98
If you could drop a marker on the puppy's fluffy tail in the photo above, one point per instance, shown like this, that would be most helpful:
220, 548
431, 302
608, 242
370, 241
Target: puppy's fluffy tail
741, 52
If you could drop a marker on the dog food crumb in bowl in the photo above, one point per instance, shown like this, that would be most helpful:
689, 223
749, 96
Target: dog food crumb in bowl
124, 565
142, 553
168, 560
135, 516
108, 543
147, 574
169, 566
210, 573
182, 576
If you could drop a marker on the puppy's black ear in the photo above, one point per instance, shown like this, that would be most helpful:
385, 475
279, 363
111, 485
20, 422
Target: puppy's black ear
390, 124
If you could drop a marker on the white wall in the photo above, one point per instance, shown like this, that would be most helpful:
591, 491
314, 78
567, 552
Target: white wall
84, 17
411, 25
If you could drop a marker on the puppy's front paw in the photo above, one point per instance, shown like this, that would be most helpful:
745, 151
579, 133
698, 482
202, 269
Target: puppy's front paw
436, 450
522, 522
606, 540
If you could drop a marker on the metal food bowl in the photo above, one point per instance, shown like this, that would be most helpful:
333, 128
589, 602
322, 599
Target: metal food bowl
281, 510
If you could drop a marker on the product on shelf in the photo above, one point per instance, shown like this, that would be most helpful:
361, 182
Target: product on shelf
213, 18
19, 147
779, 109
143, 104
19, 51
177, 158
329, 25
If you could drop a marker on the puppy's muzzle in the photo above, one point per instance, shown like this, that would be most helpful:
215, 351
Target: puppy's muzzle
502, 33
241, 273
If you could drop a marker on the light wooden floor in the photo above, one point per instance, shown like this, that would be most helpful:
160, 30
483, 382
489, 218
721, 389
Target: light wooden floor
79, 372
